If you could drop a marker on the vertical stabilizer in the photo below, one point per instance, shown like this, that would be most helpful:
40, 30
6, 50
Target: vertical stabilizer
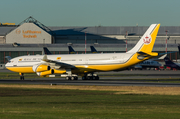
46, 51
93, 50
146, 43
71, 50
179, 49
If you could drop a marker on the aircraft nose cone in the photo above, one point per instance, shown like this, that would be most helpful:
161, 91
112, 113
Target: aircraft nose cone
7, 64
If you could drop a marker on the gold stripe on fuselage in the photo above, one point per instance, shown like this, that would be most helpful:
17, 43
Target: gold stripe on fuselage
21, 69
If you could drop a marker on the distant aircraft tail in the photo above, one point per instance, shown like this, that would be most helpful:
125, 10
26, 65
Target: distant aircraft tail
46, 51
146, 43
168, 61
71, 50
93, 50
179, 49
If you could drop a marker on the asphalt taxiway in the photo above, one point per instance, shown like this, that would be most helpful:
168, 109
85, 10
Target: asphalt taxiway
123, 78
91, 82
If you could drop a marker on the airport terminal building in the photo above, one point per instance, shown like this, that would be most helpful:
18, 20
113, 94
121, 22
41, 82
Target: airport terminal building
30, 36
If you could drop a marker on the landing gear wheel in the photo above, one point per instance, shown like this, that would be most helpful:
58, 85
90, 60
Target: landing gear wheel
68, 78
84, 78
72, 78
96, 77
75, 78
89, 78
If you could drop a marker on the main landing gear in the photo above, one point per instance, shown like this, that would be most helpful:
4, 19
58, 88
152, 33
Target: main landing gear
69, 75
21, 76
85, 77
72, 78
90, 77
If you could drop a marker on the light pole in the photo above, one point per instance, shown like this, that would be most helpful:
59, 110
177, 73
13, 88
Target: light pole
126, 39
85, 42
43, 42
166, 40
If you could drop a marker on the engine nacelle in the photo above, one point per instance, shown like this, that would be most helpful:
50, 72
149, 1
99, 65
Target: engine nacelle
59, 71
45, 73
41, 68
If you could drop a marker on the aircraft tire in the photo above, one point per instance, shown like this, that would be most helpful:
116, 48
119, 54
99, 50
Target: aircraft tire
76, 78
68, 78
21, 77
89, 77
97, 78
72, 78
84, 78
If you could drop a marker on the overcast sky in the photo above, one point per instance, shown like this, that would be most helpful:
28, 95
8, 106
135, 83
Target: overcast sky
92, 12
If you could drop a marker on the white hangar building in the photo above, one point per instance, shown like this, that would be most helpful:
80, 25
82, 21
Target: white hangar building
28, 33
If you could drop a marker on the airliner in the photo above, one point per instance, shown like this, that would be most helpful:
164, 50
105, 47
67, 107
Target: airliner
74, 65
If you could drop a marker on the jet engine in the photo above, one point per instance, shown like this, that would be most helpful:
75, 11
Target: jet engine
41, 68
49, 72
59, 71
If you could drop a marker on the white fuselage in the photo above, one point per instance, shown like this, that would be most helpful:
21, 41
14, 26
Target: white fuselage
73, 59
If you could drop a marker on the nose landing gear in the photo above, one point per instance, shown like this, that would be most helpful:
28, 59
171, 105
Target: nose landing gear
21, 76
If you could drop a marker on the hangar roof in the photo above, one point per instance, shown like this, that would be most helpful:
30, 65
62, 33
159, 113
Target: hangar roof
102, 30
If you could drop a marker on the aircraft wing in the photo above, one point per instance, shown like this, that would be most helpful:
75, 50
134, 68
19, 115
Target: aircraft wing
62, 65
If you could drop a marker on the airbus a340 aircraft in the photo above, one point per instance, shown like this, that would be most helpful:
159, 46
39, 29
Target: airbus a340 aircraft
83, 64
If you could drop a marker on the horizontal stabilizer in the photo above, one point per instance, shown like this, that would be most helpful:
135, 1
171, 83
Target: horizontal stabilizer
162, 57
8, 58
142, 55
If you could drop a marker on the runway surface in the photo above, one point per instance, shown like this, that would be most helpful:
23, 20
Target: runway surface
123, 78
91, 82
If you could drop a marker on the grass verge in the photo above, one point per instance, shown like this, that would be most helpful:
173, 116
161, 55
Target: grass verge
86, 102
